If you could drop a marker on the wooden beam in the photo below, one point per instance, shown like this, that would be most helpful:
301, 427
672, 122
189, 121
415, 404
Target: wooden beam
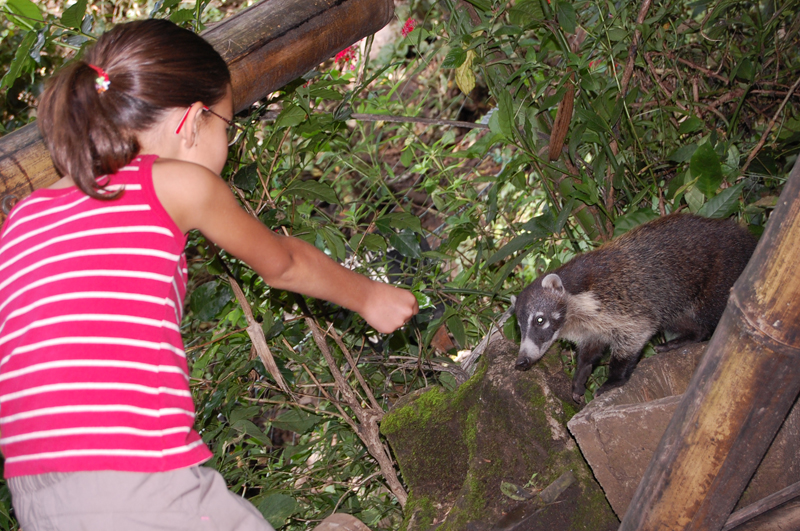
762, 506
739, 395
265, 46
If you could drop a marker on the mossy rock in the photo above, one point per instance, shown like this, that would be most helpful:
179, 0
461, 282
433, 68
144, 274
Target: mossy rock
459, 451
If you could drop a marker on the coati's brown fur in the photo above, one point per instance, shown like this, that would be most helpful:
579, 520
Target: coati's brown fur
673, 274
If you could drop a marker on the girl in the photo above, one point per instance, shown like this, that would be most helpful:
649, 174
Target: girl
95, 408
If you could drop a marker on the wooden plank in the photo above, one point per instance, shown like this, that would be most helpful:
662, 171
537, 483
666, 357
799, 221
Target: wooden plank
265, 46
739, 395
762, 506
785, 517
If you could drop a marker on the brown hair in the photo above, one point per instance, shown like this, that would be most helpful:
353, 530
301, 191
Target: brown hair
153, 66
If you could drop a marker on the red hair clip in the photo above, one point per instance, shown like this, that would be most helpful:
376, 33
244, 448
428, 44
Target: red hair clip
102, 82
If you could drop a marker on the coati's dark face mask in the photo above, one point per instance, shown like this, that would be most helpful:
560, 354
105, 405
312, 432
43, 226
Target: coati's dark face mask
540, 311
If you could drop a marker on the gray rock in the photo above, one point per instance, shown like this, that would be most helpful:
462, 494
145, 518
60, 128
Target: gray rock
619, 431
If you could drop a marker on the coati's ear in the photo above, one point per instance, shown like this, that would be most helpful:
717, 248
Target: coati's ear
553, 282
513, 302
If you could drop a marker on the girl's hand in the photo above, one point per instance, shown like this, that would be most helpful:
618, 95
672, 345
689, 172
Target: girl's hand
388, 308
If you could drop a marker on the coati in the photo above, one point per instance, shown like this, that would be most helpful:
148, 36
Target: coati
672, 274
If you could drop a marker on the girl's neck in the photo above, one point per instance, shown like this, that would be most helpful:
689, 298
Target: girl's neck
64, 182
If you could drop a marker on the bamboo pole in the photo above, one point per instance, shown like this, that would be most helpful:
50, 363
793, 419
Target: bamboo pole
739, 395
265, 46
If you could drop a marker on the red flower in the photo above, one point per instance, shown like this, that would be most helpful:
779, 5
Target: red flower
346, 56
408, 27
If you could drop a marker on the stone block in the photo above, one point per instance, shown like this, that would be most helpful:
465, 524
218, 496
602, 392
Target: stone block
619, 431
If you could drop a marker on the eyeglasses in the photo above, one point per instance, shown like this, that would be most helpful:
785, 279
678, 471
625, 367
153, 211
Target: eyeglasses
235, 131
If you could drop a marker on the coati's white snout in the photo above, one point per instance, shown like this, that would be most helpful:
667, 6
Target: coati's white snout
530, 352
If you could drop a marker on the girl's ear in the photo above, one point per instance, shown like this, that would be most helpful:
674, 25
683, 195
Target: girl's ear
188, 127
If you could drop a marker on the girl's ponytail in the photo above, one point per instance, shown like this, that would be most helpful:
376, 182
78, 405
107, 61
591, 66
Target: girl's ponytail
90, 121
84, 138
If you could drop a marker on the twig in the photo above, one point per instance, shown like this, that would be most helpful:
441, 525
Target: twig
637, 37
257, 337
767, 131
660, 84
706, 71
415, 120
310, 409
352, 363
367, 428
469, 363
214, 340
330, 399
353, 488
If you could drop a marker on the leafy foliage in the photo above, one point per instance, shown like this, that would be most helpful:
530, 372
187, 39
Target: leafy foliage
670, 106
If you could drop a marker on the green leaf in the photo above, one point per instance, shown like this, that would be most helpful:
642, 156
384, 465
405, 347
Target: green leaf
209, 299
567, 18
290, 116
706, 167
544, 225
24, 14
325, 93
694, 198
278, 508
407, 157
515, 492
520, 242
73, 15
617, 34
632, 219
483, 5
334, 243
312, 190
370, 242
505, 114
456, 327
465, 77
406, 244
296, 420
248, 428
525, 12
454, 58
244, 413
399, 220
745, 70
594, 122
247, 178
723, 204
182, 15
690, 125
683, 153
21, 60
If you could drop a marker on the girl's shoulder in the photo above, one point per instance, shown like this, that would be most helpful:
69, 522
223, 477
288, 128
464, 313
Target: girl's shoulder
185, 188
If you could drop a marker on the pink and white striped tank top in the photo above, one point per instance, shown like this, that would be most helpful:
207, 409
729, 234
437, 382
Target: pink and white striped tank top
93, 374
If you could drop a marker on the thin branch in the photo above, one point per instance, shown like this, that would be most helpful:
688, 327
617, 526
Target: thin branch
767, 131
257, 337
415, 120
627, 74
367, 428
331, 332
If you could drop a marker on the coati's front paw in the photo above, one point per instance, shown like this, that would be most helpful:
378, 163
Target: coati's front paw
578, 393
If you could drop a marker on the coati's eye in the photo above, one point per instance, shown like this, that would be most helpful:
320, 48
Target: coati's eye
539, 320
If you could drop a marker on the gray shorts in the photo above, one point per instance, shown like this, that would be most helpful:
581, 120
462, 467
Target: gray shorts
195, 499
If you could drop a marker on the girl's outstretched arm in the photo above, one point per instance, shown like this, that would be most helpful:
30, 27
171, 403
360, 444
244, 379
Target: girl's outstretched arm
198, 199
